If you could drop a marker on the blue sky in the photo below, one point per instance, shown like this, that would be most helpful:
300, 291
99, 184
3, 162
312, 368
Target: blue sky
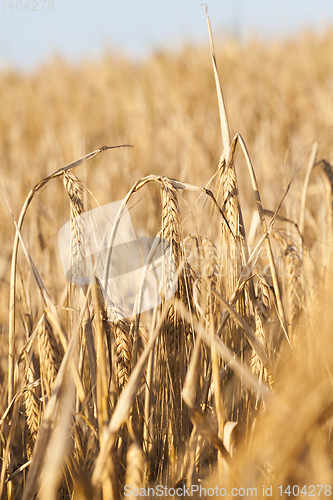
32, 30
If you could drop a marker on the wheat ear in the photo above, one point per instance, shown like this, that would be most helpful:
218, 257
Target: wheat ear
74, 190
51, 354
262, 310
124, 351
135, 468
122, 331
293, 271
32, 408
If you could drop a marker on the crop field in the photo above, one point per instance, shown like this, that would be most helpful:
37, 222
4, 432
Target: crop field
208, 371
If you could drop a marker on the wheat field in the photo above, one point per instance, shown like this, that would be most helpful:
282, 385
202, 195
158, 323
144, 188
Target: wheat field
224, 387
